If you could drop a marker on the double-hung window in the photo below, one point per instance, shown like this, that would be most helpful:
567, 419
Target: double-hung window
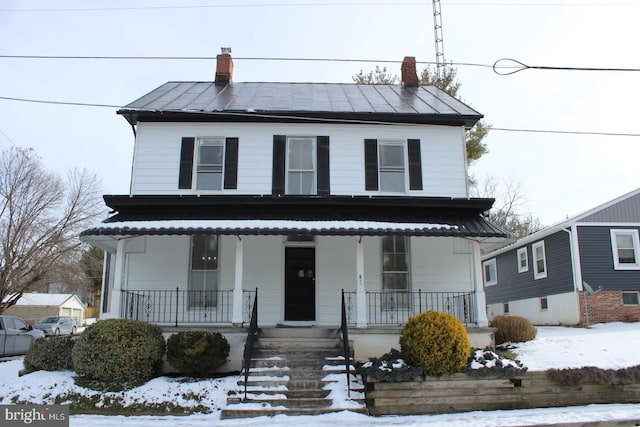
203, 281
523, 260
490, 272
624, 245
539, 261
301, 165
210, 164
395, 272
393, 166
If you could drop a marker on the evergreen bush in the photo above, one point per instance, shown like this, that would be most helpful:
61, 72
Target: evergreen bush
513, 329
119, 351
436, 342
197, 353
50, 354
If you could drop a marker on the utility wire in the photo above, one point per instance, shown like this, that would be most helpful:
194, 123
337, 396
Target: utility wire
317, 4
510, 66
84, 104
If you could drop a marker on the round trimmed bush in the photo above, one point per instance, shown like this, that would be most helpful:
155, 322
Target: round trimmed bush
513, 329
50, 354
197, 353
119, 351
436, 342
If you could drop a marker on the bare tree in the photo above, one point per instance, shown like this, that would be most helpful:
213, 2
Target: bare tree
509, 210
41, 215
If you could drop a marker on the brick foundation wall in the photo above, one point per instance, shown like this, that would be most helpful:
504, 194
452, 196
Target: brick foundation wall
607, 306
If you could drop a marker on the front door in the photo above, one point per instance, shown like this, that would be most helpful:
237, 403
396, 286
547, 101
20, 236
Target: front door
300, 284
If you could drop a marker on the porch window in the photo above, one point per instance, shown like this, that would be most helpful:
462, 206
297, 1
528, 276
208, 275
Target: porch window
395, 272
539, 261
523, 260
625, 245
203, 283
301, 165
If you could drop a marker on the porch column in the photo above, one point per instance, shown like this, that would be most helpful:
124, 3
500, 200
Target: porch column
361, 295
118, 281
481, 302
237, 318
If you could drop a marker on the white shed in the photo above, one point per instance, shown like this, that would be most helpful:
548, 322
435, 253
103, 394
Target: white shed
34, 306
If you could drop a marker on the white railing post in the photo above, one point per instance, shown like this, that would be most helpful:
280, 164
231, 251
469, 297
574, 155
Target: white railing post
237, 317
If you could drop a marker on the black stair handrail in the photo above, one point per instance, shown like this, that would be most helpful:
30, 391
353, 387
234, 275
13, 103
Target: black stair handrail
248, 346
345, 345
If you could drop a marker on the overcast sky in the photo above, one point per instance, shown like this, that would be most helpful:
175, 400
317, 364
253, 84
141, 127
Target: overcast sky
560, 174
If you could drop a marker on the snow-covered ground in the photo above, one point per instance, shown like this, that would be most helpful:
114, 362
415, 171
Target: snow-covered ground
612, 346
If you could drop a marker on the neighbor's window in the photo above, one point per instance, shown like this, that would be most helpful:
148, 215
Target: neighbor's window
301, 165
544, 303
392, 170
539, 261
523, 260
490, 272
210, 161
624, 244
505, 308
203, 282
630, 298
395, 271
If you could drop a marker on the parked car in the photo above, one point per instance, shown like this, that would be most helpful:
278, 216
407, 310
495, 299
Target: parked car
57, 325
16, 336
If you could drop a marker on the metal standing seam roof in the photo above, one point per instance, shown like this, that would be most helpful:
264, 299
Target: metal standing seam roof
424, 103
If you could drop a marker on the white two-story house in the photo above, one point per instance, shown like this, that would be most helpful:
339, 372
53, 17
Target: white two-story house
299, 192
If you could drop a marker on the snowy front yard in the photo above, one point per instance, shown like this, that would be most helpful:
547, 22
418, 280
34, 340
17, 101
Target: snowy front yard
610, 346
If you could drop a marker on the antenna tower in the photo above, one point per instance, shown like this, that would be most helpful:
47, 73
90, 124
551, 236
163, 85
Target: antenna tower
437, 29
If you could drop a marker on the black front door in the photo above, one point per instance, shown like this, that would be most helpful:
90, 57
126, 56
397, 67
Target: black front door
300, 284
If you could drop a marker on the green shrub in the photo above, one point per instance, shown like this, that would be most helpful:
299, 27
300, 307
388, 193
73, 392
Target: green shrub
513, 329
389, 367
126, 352
436, 342
197, 353
50, 354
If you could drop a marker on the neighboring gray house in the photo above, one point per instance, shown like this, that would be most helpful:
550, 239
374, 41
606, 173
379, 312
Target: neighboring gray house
583, 270
300, 190
33, 307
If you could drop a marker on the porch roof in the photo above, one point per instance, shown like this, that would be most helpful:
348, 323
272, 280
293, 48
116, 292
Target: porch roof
105, 235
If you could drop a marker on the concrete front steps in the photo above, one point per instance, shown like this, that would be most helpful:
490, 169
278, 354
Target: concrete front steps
296, 371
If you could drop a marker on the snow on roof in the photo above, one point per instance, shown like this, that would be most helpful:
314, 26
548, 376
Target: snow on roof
42, 299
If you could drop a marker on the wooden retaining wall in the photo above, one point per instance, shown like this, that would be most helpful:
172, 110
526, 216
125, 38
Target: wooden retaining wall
462, 393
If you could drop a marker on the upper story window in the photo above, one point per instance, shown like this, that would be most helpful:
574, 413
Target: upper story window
523, 260
301, 165
392, 165
208, 164
624, 245
490, 272
539, 260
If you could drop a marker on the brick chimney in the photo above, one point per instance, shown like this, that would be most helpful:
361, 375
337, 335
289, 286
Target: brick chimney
224, 67
408, 72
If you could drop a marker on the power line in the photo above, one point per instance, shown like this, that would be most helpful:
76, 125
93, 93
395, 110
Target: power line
326, 4
85, 104
514, 66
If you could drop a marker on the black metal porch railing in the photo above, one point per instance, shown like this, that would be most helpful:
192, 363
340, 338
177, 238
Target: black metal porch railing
182, 306
388, 308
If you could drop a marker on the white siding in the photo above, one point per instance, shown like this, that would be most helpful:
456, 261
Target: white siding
157, 155
436, 266
335, 270
562, 310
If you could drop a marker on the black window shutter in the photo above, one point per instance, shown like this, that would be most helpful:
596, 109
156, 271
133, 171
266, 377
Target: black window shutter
371, 164
186, 163
322, 156
279, 164
231, 163
415, 165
